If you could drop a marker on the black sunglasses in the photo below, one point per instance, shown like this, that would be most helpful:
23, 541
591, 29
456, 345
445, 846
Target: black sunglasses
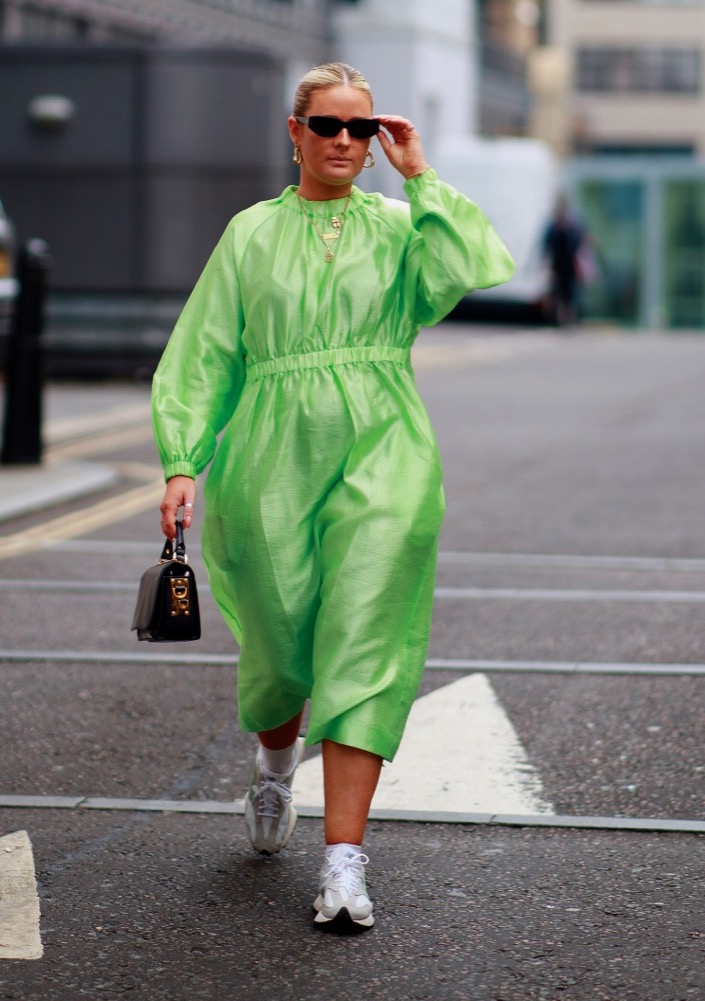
323, 125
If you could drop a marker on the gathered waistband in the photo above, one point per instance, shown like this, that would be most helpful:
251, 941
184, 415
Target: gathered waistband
330, 358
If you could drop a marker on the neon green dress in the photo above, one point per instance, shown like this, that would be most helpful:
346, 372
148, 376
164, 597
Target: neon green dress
323, 502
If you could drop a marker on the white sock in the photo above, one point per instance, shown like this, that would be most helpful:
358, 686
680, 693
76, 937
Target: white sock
344, 848
278, 762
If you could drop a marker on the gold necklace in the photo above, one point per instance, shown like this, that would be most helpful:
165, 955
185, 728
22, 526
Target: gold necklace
329, 239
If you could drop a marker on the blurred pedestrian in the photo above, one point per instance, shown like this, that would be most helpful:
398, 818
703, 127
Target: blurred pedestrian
563, 243
324, 500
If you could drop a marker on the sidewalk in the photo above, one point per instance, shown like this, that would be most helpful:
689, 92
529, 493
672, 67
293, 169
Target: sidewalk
72, 411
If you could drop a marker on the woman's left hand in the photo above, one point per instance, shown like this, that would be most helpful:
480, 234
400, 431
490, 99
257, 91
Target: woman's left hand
180, 492
404, 151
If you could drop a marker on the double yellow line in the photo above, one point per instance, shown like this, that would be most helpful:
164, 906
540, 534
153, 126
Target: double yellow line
112, 509
70, 526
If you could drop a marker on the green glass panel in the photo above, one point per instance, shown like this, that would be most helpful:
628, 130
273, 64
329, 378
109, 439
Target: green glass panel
613, 213
683, 260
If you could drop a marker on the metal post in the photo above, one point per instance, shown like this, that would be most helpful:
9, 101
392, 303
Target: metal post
22, 428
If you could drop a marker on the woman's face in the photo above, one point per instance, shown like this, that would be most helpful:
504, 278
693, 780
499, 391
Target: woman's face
329, 166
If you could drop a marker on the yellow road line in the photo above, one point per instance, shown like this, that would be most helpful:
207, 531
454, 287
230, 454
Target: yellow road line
108, 420
145, 471
101, 443
70, 526
428, 356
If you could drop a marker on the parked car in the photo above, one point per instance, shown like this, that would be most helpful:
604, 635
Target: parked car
515, 182
8, 283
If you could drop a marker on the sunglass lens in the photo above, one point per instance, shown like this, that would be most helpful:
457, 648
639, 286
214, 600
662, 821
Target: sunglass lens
325, 127
359, 128
363, 128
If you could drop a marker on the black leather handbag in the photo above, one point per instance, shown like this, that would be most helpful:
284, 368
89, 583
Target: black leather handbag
167, 602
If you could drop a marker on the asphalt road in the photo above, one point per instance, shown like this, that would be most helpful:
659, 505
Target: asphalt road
572, 574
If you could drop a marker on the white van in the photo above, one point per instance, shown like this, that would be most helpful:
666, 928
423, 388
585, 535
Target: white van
515, 181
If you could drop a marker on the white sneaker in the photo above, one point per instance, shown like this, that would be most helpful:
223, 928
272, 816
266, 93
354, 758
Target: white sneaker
342, 894
269, 816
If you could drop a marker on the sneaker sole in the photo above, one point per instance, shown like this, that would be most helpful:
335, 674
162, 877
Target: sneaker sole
342, 921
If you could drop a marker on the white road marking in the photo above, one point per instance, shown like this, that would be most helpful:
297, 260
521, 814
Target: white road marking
235, 808
564, 667
568, 594
569, 561
19, 903
446, 557
516, 594
228, 660
477, 764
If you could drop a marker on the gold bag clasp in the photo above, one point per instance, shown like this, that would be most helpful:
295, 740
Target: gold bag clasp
179, 592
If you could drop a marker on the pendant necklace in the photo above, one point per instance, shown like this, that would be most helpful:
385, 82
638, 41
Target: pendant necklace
329, 239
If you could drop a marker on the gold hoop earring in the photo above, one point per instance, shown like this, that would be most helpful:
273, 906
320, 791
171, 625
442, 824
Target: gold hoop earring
297, 155
372, 159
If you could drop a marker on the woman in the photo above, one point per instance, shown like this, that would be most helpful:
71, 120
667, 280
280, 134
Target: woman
324, 500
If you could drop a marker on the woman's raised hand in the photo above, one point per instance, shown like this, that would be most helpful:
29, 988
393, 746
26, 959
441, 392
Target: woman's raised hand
404, 150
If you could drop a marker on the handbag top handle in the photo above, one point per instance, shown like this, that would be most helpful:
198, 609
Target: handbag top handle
169, 552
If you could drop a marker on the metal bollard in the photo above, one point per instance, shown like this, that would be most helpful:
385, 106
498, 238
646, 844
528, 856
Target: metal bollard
24, 375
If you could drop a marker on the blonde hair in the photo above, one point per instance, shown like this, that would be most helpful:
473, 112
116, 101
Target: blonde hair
328, 75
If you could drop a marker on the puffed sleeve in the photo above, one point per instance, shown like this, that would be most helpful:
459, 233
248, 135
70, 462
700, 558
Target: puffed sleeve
453, 249
200, 376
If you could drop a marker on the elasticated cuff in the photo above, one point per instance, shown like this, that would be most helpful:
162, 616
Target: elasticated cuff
181, 468
420, 181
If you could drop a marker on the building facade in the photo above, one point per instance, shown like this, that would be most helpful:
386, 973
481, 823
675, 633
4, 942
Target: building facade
174, 117
455, 65
635, 75
289, 29
507, 31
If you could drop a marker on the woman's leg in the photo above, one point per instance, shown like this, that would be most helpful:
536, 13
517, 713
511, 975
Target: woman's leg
350, 777
282, 736
270, 817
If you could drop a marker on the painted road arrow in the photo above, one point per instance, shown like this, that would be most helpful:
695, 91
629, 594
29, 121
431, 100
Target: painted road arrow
460, 753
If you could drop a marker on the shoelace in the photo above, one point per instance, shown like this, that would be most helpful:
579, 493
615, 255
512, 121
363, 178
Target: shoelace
345, 872
270, 794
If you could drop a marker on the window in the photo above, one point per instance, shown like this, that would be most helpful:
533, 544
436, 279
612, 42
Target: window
651, 70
